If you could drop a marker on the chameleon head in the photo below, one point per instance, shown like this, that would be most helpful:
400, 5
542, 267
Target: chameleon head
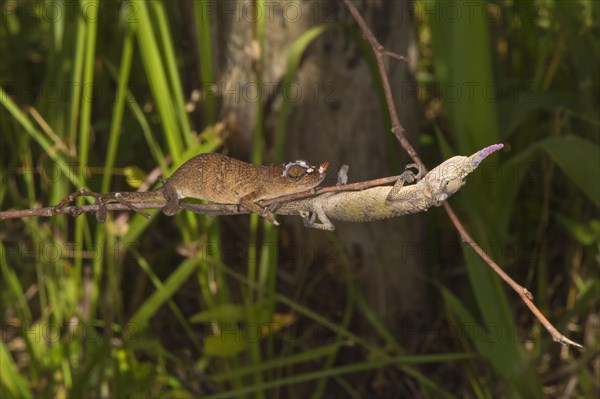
448, 177
300, 176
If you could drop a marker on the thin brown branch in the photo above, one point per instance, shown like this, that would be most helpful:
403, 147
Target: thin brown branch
332, 189
520, 290
76, 210
399, 131
71, 210
380, 52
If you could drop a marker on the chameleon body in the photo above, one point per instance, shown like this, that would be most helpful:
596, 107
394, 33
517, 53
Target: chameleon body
223, 180
388, 201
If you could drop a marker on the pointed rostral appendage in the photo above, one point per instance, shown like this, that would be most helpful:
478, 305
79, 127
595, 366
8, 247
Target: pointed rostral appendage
482, 154
449, 176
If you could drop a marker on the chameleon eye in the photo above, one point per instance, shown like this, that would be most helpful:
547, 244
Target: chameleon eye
296, 172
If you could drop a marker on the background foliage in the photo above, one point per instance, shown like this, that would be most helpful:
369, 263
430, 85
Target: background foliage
152, 308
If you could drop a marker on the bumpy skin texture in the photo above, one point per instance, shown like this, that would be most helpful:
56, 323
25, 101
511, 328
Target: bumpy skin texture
223, 180
386, 202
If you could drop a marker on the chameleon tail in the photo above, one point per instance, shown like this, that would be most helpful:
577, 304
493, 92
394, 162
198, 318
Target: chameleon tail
479, 156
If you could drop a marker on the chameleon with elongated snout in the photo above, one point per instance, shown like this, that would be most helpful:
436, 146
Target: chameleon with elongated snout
385, 202
221, 179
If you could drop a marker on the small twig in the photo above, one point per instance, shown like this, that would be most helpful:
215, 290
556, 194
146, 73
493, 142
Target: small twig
82, 192
380, 52
396, 56
131, 206
520, 290
58, 142
399, 131
101, 199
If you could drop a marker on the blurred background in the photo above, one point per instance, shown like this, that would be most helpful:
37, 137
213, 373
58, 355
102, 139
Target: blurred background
114, 95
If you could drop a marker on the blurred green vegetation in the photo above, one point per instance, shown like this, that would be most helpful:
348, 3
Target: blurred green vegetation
91, 310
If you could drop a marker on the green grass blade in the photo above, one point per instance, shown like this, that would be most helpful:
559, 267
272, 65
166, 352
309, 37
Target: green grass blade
473, 117
88, 81
579, 160
488, 340
145, 266
201, 8
83, 146
12, 383
157, 79
372, 364
172, 71
118, 109
26, 124
140, 116
576, 157
310, 355
142, 316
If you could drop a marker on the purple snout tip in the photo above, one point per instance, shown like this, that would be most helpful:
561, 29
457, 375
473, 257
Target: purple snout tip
487, 151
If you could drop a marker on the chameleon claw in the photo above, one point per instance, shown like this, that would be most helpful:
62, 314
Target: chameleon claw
271, 219
416, 177
408, 176
343, 175
101, 212
266, 213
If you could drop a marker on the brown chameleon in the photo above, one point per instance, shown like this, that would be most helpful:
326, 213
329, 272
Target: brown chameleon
221, 179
